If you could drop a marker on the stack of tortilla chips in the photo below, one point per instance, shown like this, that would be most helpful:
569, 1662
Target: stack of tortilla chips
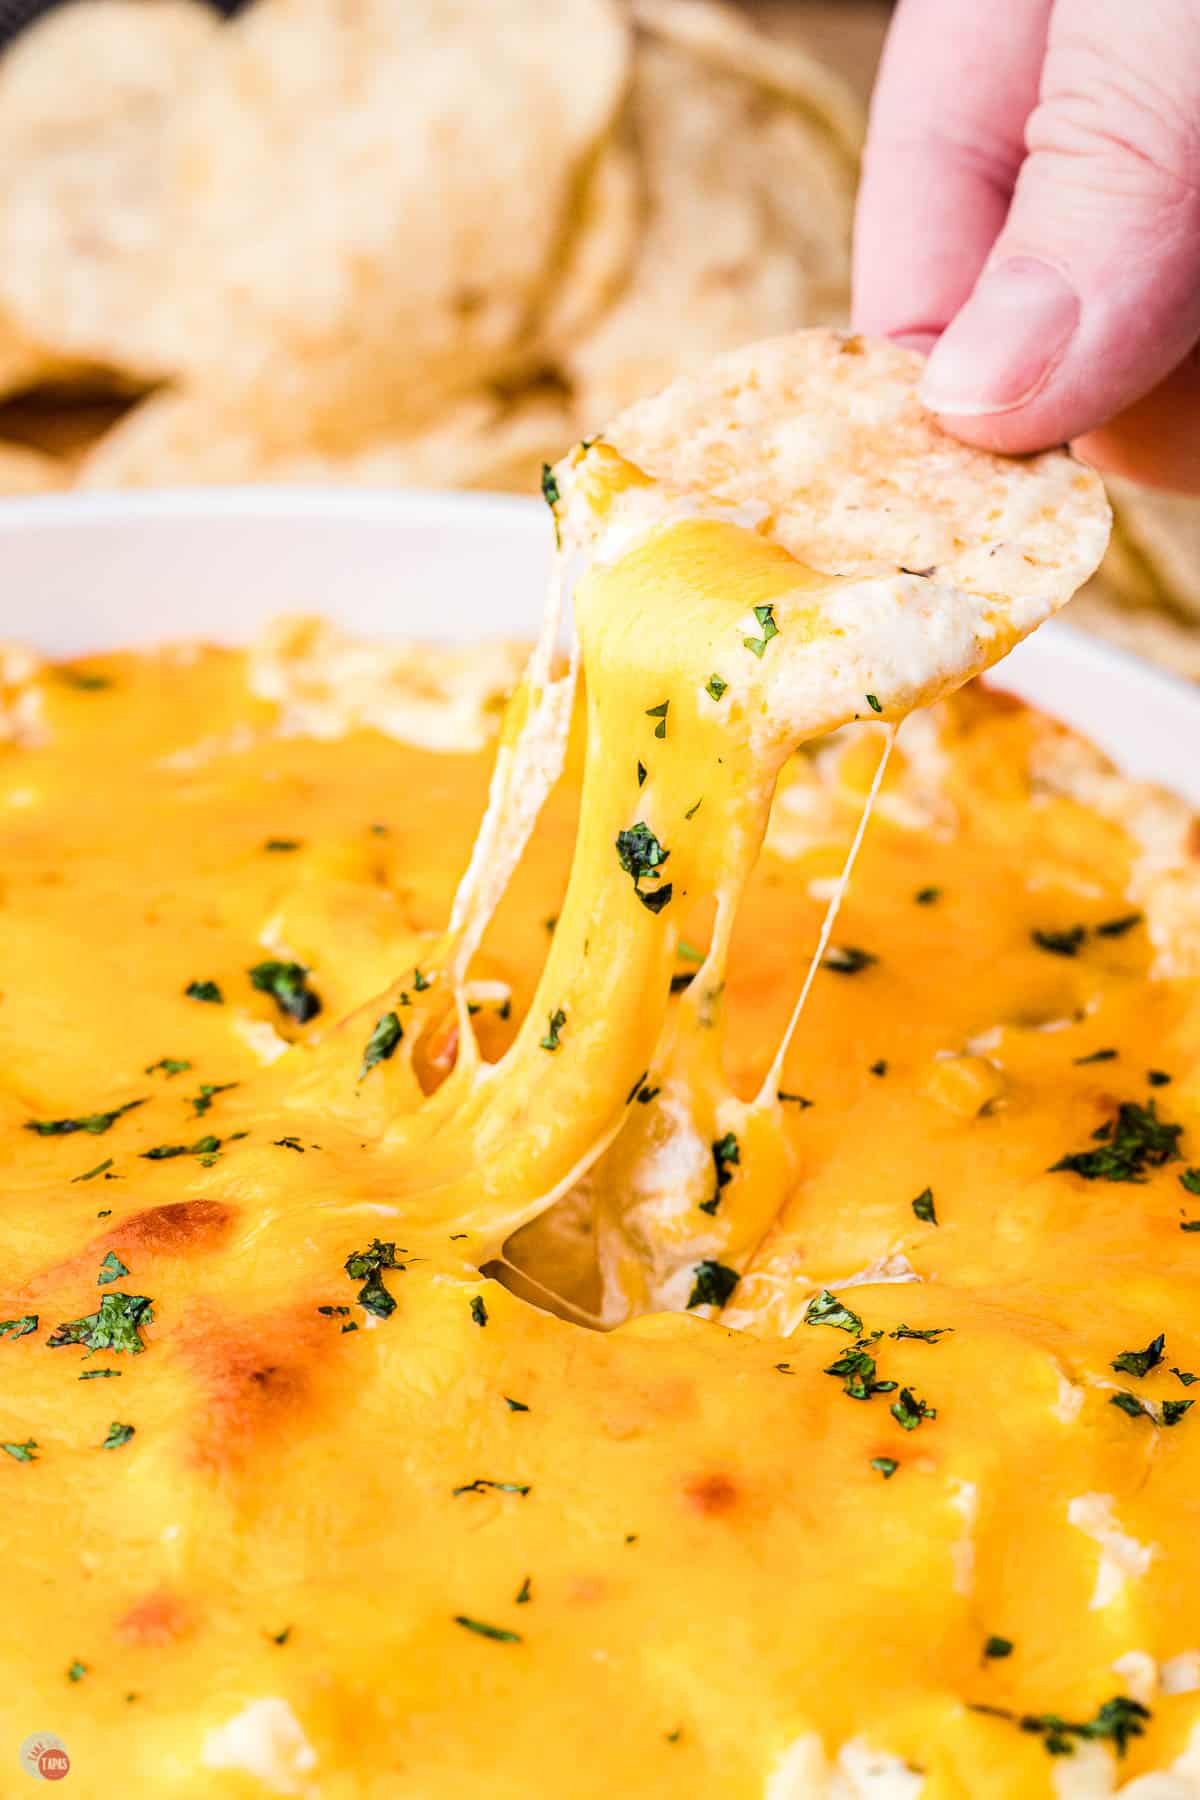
400, 241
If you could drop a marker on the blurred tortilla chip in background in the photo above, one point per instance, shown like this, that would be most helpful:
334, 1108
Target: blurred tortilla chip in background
85, 96
24, 471
404, 241
432, 242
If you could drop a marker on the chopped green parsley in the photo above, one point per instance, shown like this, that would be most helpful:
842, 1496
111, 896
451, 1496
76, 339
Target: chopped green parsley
856, 1369
1117, 1721
91, 1174
827, 1309
715, 687
641, 855
555, 1022
18, 1328
1140, 1362
908, 1410
287, 984
118, 1434
1060, 943
481, 1485
713, 1284
382, 1042
923, 1207
1169, 1413
206, 1148
201, 1102
111, 1269
367, 1266
93, 1123
115, 1325
1132, 1142
848, 959
726, 1154
205, 990
481, 1629
660, 713
1118, 927
765, 616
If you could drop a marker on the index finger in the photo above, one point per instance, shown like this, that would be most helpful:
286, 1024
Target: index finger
955, 87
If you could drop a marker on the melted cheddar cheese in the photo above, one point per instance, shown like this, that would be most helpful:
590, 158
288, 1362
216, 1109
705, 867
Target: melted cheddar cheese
510, 1376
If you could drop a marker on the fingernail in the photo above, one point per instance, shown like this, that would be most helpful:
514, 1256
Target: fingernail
1005, 343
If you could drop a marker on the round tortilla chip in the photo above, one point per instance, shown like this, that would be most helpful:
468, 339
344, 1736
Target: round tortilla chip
1146, 631
184, 437
1154, 557
598, 256
24, 471
819, 443
727, 41
749, 156
177, 437
371, 198
84, 95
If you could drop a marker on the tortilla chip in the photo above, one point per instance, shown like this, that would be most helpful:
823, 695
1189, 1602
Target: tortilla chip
25, 471
185, 436
1156, 635
749, 155
84, 94
728, 43
370, 197
597, 258
1154, 558
484, 443
818, 442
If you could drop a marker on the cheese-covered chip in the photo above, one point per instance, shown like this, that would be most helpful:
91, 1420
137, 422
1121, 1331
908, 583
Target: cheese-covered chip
919, 560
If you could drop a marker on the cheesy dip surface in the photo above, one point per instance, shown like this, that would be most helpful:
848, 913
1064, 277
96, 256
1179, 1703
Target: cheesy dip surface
456, 1334
297, 1501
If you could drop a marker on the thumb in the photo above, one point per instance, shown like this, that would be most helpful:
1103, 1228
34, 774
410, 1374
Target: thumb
1091, 294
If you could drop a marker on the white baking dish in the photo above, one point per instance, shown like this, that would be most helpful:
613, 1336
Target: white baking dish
91, 572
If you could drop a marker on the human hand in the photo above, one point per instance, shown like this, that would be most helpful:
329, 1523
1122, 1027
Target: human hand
1031, 204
